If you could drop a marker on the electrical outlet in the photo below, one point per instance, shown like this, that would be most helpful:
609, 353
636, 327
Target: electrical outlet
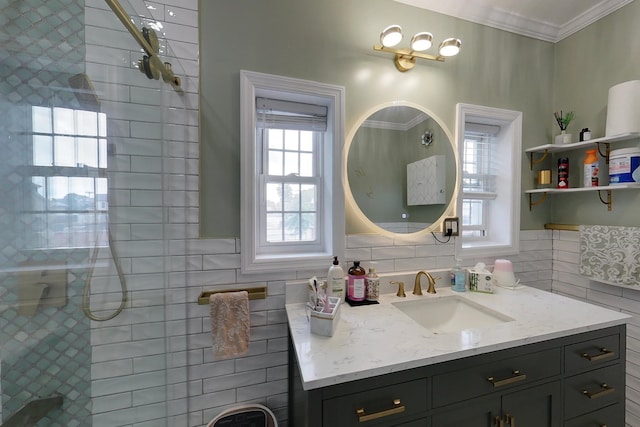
451, 227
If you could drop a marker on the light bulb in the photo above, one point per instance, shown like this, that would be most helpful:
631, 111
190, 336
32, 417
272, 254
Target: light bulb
391, 35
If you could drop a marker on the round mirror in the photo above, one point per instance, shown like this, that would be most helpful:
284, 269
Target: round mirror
400, 169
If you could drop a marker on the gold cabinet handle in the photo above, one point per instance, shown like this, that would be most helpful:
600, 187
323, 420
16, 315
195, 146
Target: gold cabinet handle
604, 353
511, 420
498, 422
517, 376
604, 390
364, 417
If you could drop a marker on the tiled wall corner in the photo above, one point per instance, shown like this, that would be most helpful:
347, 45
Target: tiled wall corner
568, 281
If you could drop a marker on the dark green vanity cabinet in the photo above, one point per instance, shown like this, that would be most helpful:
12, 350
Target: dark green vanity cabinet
574, 381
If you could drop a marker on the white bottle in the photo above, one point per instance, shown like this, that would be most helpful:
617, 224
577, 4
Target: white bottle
335, 280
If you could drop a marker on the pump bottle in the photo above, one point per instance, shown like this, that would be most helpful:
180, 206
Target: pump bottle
335, 280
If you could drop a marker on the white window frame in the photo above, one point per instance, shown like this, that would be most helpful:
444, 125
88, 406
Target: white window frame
503, 218
255, 257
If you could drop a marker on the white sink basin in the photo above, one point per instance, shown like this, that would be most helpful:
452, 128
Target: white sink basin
450, 314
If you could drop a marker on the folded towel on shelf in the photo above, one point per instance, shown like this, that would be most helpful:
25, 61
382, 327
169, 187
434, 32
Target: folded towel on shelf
230, 324
610, 254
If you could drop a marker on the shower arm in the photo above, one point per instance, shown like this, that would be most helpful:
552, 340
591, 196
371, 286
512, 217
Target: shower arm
164, 68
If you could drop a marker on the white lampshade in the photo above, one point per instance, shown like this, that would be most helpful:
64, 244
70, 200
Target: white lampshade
391, 35
450, 47
421, 41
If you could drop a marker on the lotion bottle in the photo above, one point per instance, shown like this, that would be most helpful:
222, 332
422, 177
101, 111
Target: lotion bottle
335, 280
356, 290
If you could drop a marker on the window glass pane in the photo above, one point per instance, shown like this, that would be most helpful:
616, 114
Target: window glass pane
58, 230
291, 140
35, 226
472, 212
81, 194
306, 164
308, 198
275, 163
83, 231
274, 227
102, 229
292, 197
42, 150
102, 153
291, 163
274, 197
291, 227
36, 198
57, 190
63, 122
102, 124
64, 151
41, 119
275, 138
88, 152
102, 203
308, 226
306, 141
87, 123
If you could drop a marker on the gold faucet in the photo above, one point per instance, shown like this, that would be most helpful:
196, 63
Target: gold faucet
400, 288
417, 289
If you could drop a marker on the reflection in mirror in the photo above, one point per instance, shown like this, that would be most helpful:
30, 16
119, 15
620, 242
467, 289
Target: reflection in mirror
401, 169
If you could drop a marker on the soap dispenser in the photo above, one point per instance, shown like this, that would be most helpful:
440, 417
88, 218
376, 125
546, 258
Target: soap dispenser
356, 288
459, 277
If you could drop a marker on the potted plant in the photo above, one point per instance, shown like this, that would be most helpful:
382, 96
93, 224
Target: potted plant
563, 122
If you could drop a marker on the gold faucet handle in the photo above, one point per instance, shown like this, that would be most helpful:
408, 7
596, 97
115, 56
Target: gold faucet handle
400, 292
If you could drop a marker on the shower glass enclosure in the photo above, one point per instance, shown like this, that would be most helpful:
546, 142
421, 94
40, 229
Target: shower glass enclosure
90, 187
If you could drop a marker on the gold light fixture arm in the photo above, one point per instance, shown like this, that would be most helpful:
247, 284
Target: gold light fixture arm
406, 58
155, 62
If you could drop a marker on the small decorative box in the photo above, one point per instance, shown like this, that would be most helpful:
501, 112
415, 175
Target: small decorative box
325, 322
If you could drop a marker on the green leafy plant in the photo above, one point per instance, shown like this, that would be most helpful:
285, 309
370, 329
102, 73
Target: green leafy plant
563, 120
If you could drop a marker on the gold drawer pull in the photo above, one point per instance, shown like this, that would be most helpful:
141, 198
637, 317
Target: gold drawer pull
498, 422
517, 376
604, 390
511, 420
604, 353
397, 409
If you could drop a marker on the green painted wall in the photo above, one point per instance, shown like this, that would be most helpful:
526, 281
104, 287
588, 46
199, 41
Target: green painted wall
587, 64
331, 41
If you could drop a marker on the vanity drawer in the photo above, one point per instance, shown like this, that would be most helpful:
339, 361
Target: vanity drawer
592, 353
380, 406
610, 416
593, 390
495, 376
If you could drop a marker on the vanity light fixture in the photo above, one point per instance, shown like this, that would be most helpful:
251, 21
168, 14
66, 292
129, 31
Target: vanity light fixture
405, 58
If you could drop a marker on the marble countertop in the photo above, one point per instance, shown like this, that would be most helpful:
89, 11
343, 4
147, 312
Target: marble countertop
379, 339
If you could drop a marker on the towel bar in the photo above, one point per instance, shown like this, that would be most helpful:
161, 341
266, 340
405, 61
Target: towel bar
568, 227
254, 293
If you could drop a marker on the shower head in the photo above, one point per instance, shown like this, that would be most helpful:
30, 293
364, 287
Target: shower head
85, 92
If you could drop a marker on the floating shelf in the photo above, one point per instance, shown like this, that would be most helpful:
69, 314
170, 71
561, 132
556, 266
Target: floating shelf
608, 189
555, 148
547, 149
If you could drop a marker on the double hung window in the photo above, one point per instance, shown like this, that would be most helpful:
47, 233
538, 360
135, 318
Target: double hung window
292, 198
489, 150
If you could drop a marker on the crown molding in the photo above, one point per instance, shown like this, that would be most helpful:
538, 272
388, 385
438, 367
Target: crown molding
484, 13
